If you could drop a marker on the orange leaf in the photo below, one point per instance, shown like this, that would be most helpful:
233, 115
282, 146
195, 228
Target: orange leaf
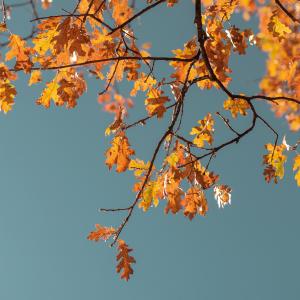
125, 260
7, 95
155, 103
203, 132
194, 202
35, 77
49, 93
236, 106
101, 233
119, 153
296, 167
18, 50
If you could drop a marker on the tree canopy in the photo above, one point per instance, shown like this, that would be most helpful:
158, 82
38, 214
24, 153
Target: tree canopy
97, 41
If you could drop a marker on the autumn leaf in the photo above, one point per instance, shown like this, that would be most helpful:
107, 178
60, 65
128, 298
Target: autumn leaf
173, 193
19, 51
3, 27
71, 37
121, 10
35, 77
203, 132
239, 39
194, 203
222, 195
172, 159
117, 122
143, 83
296, 168
274, 162
155, 103
47, 31
270, 173
16, 48
236, 106
71, 87
150, 195
138, 166
49, 93
277, 28
125, 260
6, 74
7, 95
101, 233
205, 178
119, 153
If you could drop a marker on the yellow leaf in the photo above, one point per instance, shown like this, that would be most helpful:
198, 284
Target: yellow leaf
172, 159
35, 77
138, 166
43, 40
296, 167
49, 93
119, 153
142, 84
277, 28
203, 132
274, 162
155, 103
7, 95
236, 106
150, 195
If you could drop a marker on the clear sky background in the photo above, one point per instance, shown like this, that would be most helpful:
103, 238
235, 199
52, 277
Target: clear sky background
53, 179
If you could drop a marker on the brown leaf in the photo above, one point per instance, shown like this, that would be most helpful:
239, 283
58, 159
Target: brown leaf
125, 260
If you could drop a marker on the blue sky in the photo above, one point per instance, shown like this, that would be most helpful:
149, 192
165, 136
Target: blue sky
53, 179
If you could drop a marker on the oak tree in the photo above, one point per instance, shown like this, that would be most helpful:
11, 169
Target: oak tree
97, 38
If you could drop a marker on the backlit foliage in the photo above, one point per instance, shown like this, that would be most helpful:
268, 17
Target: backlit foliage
97, 39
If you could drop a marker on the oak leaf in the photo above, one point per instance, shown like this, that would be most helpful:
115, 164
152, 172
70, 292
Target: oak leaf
19, 51
124, 260
49, 93
101, 233
138, 166
7, 95
143, 83
194, 203
274, 160
35, 77
277, 28
173, 193
222, 195
236, 106
155, 103
119, 153
296, 167
203, 132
